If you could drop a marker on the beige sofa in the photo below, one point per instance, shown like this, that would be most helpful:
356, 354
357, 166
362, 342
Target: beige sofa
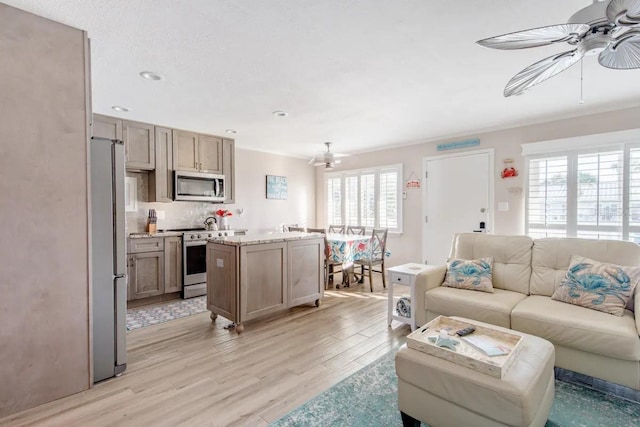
525, 274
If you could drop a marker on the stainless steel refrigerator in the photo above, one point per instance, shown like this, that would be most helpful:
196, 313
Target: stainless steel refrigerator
108, 258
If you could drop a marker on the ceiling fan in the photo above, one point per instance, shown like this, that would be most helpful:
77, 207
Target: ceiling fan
328, 159
609, 28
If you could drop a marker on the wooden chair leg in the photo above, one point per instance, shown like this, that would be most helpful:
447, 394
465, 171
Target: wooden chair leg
326, 276
370, 278
384, 276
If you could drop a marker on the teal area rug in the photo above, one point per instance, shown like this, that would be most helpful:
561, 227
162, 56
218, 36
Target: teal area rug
369, 398
152, 315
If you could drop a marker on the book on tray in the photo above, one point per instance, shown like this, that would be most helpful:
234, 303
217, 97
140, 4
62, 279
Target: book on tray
487, 345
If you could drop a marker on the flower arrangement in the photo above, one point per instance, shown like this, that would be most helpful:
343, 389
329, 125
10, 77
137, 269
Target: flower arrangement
223, 212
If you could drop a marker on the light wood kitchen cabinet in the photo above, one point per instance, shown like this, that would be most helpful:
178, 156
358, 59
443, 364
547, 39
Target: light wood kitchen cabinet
197, 153
228, 165
161, 179
185, 150
253, 277
263, 274
139, 145
146, 274
210, 153
172, 264
106, 127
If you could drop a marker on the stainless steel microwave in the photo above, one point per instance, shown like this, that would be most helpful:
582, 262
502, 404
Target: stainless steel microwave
198, 187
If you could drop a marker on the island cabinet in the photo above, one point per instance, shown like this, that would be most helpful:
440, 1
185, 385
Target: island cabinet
228, 163
252, 276
197, 153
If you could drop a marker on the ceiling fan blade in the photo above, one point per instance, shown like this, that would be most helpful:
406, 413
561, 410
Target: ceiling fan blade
629, 8
340, 155
623, 54
536, 37
541, 71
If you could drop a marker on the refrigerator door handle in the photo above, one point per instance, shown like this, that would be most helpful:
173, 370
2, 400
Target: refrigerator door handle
119, 238
120, 293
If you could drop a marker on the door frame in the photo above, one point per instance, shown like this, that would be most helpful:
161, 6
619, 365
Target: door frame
491, 182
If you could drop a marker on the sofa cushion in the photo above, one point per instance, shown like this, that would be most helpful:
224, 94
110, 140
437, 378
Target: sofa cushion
552, 256
578, 327
492, 308
511, 257
474, 275
598, 286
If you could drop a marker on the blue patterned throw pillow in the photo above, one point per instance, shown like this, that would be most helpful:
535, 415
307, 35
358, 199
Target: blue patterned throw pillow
472, 274
597, 285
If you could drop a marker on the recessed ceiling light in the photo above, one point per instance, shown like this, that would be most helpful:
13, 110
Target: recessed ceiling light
280, 113
150, 75
231, 131
120, 108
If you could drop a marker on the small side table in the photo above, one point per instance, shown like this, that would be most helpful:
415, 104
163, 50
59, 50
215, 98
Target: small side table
403, 275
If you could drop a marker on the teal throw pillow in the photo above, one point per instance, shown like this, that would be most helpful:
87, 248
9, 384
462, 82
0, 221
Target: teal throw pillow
472, 274
597, 285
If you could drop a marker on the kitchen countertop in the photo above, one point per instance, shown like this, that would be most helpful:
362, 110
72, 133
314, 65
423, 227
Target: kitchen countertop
144, 235
257, 239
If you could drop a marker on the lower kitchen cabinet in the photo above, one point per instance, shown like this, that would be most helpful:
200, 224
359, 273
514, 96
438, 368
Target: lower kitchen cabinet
146, 274
172, 264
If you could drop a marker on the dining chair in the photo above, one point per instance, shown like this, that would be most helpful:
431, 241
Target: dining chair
287, 227
376, 253
360, 231
316, 230
356, 229
336, 229
297, 229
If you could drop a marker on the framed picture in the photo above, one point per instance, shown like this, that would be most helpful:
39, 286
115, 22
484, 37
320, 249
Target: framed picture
130, 194
276, 187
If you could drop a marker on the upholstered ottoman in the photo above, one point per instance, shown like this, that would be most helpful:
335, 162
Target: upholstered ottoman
442, 393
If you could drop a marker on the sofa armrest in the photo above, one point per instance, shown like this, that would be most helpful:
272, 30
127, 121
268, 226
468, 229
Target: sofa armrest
636, 309
430, 278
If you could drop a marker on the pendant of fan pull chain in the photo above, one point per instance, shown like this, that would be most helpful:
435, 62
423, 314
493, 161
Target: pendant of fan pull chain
609, 29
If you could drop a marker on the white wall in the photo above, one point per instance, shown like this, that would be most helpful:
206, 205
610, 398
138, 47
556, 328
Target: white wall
506, 143
259, 213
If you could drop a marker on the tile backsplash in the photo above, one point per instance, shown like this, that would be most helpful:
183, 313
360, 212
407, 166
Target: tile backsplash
176, 214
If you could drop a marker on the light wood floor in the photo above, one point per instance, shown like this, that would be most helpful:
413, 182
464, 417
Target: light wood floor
190, 372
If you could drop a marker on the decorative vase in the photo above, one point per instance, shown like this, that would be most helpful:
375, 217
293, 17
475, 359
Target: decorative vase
223, 223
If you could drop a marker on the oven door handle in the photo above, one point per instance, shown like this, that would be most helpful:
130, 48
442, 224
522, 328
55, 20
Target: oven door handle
195, 243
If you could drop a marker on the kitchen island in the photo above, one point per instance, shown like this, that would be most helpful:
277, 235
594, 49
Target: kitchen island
252, 276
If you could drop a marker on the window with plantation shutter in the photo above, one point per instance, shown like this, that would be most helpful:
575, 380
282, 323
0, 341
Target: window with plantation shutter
334, 201
388, 212
368, 197
547, 197
590, 192
367, 200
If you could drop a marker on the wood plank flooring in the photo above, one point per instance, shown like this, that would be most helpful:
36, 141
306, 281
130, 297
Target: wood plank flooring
190, 372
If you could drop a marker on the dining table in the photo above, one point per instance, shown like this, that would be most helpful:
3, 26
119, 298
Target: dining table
345, 249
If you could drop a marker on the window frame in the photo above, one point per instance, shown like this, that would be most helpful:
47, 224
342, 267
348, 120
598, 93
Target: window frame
376, 171
571, 148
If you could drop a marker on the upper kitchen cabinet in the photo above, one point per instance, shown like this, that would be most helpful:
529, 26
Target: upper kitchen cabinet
228, 163
210, 153
139, 145
107, 127
196, 153
185, 150
161, 180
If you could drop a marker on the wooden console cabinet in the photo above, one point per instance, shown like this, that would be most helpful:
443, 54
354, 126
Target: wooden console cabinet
252, 276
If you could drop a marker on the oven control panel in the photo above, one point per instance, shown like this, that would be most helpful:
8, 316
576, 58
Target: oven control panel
204, 235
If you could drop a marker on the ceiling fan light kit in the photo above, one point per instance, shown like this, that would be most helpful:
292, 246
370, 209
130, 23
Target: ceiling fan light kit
328, 159
609, 29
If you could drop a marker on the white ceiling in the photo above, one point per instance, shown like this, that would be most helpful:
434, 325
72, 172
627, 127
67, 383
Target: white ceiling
364, 74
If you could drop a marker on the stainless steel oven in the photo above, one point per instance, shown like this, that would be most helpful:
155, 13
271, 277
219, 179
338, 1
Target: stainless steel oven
194, 261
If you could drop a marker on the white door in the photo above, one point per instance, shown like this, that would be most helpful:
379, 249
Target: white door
458, 196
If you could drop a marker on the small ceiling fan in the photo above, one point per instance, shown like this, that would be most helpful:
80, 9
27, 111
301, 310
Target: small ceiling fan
609, 28
328, 159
